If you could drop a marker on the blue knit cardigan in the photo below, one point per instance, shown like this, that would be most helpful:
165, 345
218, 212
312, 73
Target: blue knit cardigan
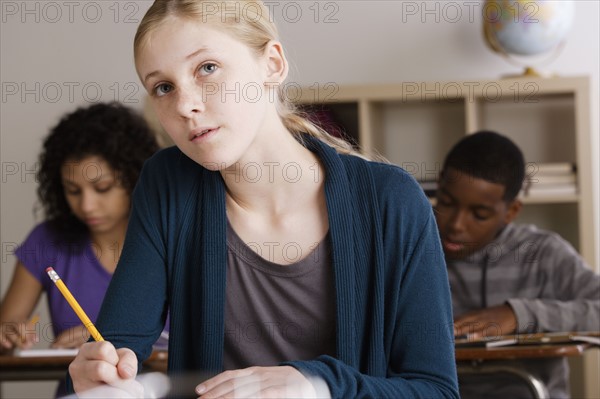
394, 320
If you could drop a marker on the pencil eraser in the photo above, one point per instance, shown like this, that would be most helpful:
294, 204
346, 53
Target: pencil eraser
49, 269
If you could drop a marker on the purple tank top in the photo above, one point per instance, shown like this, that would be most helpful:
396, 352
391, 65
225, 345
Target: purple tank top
78, 267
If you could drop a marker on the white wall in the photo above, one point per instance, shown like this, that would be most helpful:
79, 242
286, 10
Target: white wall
57, 55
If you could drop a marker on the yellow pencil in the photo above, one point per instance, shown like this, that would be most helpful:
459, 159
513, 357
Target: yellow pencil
31, 322
34, 319
73, 302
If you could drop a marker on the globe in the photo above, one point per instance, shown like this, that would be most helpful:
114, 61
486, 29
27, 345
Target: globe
527, 27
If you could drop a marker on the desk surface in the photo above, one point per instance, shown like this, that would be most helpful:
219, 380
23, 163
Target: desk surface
521, 351
43, 361
47, 368
14, 368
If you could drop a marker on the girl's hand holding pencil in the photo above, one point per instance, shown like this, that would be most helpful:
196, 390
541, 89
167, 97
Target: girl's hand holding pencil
99, 365
19, 335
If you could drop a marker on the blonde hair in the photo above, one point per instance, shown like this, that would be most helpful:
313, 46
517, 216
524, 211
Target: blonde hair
250, 23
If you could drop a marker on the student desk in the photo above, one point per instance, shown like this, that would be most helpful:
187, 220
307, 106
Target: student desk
54, 368
13, 368
478, 357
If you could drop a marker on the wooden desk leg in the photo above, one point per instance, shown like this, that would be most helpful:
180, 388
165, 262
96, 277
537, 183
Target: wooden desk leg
537, 387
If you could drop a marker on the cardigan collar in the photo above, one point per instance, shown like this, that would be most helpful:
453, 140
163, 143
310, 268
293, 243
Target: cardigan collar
339, 212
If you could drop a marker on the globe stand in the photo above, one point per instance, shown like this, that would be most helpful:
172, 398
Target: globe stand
528, 71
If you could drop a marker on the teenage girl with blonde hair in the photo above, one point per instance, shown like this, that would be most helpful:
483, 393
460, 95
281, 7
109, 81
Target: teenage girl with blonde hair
291, 266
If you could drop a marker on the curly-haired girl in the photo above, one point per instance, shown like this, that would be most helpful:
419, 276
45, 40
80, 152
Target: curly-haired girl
88, 167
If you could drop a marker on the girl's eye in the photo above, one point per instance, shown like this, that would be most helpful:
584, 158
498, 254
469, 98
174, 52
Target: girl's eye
208, 69
103, 189
162, 89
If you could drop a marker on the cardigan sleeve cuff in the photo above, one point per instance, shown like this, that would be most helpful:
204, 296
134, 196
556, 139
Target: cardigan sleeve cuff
311, 374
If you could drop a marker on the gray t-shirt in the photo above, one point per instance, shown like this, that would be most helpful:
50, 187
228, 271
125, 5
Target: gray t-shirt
276, 313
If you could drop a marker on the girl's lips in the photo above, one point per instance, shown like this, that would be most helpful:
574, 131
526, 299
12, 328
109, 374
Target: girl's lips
93, 221
202, 134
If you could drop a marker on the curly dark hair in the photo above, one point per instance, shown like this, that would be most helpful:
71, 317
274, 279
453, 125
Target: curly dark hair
489, 156
111, 131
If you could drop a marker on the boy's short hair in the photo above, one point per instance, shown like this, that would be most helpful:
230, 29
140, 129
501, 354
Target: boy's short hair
489, 156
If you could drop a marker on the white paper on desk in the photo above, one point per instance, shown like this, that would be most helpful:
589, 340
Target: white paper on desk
155, 385
45, 352
501, 342
586, 338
